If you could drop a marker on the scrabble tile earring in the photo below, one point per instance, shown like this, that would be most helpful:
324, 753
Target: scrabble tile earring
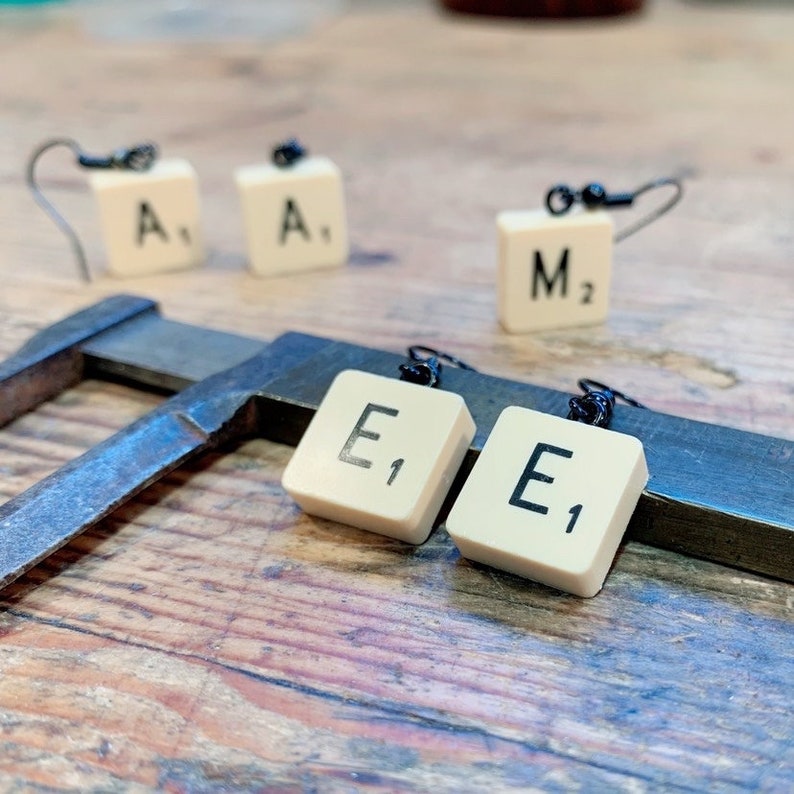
293, 211
555, 265
549, 498
381, 453
148, 209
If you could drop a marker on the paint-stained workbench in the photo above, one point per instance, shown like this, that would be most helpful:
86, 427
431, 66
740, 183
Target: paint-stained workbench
209, 637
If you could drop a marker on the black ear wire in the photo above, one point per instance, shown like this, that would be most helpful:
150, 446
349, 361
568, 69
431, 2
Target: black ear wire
140, 157
561, 198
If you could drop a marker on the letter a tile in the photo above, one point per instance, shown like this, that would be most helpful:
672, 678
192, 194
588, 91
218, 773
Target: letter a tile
554, 271
150, 220
294, 217
549, 499
380, 454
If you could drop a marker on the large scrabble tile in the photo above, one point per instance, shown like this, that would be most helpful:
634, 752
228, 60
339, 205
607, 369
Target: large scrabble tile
380, 454
549, 499
554, 271
294, 216
150, 220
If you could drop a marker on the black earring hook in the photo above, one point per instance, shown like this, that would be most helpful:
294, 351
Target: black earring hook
596, 405
561, 198
140, 157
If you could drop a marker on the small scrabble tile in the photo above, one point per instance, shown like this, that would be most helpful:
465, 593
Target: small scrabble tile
554, 271
294, 216
151, 219
380, 454
549, 499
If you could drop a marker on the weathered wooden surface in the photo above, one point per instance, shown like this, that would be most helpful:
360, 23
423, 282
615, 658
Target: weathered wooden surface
209, 637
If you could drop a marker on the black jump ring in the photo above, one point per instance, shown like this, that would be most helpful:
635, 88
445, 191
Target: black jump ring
426, 372
596, 406
593, 408
289, 152
560, 199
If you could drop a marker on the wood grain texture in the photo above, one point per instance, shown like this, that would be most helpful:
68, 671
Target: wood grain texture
209, 637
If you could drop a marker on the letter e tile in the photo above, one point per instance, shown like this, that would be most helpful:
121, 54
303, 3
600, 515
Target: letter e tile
549, 499
380, 454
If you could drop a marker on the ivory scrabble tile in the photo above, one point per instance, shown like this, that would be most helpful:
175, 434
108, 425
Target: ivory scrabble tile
554, 270
380, 454
549, 499
150, 219
294, 216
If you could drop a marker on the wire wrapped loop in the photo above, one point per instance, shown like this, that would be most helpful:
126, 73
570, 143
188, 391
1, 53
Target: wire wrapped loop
593, 408
289, 152
423, 373
596, 406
